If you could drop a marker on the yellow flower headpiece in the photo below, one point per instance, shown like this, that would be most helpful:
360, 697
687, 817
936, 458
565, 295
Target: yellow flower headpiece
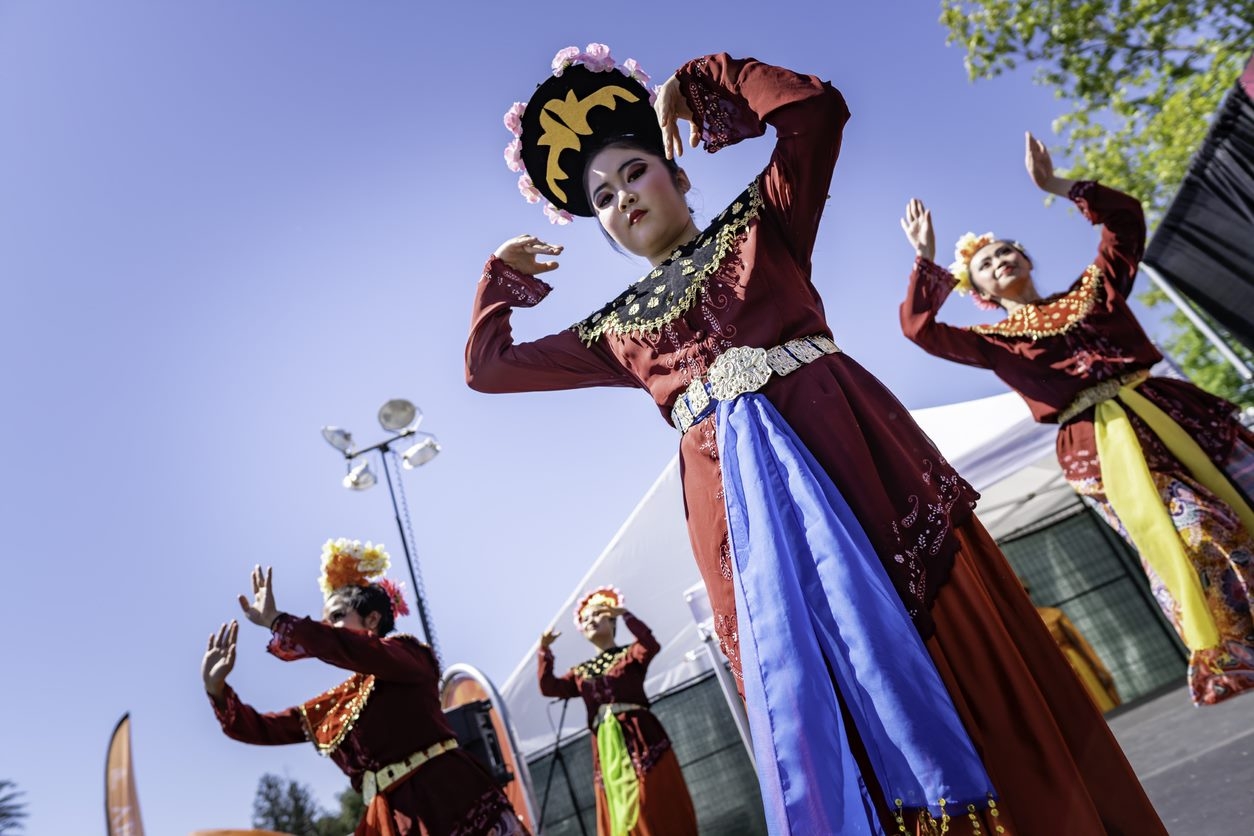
602, 596
350, 563
965, 250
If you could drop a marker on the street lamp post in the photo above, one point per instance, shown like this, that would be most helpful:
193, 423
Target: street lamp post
401, 418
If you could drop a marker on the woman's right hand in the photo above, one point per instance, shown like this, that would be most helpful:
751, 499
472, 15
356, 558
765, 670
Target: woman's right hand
917, 224
219, 658
522, 254
547, 639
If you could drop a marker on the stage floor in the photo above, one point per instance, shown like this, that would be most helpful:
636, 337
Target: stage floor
1197, 764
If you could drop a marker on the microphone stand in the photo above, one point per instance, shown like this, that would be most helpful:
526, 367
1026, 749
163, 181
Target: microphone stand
558, 760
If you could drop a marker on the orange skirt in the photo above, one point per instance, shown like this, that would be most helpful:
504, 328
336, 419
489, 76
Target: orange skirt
1054, 762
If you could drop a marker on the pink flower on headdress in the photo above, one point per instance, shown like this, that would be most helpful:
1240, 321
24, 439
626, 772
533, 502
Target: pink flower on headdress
513, 118
596, 57
557, 216
984, 304
513, 155
653, 94
528, 190
564, 58
396, 595
633, 70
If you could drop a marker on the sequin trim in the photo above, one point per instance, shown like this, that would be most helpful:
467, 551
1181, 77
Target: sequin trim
672, 287
1051, 317
599, 666
329, 717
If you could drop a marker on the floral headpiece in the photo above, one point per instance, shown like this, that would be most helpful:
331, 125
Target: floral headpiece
349, 563
582, 98
602, 596
396, 595
966, 248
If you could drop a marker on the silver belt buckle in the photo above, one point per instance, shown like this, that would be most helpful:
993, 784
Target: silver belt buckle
369, 787
738, 370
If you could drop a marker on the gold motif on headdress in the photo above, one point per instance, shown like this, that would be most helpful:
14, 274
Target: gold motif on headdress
573, 111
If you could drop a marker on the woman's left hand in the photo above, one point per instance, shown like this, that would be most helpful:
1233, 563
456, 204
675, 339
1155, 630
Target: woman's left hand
262, 610
1041, 168
671, 106
613, 612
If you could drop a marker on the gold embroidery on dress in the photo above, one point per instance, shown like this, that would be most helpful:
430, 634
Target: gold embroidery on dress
601, 664
722, 235
1051, 318
328, 727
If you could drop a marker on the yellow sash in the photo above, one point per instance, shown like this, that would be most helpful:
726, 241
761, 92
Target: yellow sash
1135, 499
618, 775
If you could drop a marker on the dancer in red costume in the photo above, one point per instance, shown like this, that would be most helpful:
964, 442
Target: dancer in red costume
727, 334
1166, 464
384, 726
640, 790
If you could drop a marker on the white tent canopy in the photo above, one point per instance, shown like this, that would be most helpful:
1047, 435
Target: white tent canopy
993, 442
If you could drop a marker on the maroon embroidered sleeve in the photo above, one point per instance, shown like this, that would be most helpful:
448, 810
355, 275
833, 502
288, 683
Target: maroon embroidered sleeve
496, 364
930, 285
394, 658
645, 646
562, 687
1123, 233
735, 99
242, 722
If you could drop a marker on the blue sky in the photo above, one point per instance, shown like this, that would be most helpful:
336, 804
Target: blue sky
224, 224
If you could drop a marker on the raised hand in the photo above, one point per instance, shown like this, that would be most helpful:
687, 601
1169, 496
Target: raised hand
613, 612
522, 254
548, 638
1041, 167
917, 224
219, 658
671, 106
262, 610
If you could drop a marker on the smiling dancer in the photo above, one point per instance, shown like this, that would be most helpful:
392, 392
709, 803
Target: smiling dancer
1167, 465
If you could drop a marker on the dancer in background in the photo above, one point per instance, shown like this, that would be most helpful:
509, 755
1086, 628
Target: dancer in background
383, 727
895, 674
640, 790
1167, 465
1084, 660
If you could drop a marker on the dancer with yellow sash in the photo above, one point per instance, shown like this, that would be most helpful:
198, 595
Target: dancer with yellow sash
1167, 465
640, 789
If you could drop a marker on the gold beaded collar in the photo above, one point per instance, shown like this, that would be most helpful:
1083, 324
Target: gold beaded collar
670, 288
1050, 317
601, 664
329, 717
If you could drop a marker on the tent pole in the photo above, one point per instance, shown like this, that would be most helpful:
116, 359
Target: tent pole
1202, 325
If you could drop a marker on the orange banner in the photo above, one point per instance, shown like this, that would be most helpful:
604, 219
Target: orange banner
121, 799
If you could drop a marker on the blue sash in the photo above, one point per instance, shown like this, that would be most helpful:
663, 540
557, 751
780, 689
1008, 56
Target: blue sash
816, 609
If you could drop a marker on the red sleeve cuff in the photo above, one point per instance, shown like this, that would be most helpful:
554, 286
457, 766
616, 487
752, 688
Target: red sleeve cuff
714, 109
283, 643
525, 290
933, 274
1080, 194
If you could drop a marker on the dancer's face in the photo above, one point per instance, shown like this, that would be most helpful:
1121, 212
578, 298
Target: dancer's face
1000, 271
338, 612
638, 201
597, 624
